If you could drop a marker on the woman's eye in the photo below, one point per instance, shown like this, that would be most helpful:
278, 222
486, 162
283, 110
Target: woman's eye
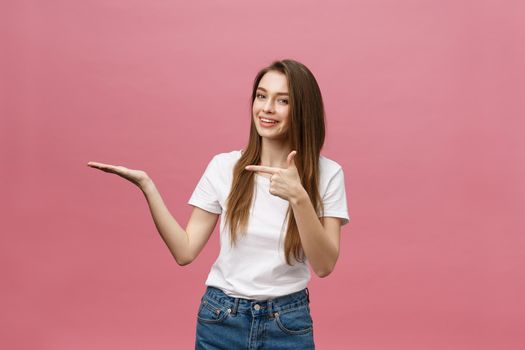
284, 102
259, 96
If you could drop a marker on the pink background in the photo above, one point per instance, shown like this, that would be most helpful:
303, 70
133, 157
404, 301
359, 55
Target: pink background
425, 112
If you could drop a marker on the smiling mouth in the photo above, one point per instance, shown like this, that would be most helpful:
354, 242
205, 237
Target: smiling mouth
269, 121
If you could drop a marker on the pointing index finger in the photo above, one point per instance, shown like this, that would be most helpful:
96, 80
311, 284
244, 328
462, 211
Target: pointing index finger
261, 168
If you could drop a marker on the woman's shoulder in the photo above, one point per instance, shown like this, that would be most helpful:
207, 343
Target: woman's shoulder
227, 159
330, 172
328, 165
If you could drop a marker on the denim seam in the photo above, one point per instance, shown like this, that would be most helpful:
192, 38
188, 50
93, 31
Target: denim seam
289, 331
208, 320
211, 307
289, 308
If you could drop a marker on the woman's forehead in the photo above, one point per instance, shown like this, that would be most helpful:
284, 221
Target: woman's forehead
274, 82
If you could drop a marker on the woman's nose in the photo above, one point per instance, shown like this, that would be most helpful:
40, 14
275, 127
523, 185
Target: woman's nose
268, 106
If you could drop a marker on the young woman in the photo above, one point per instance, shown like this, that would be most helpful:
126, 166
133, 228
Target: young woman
281, 204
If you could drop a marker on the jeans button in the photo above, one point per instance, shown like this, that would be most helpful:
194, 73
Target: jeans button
257, 307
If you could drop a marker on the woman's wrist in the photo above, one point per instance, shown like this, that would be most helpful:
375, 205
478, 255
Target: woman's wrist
146, 184
299, 196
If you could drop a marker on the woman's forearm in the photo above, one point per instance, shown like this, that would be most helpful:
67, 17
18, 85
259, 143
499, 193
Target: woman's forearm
171, 232
318, 248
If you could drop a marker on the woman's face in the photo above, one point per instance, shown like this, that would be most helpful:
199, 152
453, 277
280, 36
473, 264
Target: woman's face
271, 106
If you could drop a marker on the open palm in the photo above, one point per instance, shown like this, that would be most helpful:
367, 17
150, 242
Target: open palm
138, 177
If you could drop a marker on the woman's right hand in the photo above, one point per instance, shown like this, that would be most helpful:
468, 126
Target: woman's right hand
138, 177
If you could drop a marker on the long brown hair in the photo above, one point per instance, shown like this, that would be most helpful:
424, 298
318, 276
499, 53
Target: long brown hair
306, 132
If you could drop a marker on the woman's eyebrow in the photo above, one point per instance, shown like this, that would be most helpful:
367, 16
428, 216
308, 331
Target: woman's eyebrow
277, 93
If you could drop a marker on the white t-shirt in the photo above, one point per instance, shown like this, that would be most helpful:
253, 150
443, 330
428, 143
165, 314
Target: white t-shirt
255, 268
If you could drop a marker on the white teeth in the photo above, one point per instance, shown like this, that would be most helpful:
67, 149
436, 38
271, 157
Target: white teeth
268, 120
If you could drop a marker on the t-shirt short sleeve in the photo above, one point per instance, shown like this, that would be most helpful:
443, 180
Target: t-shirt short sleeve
205, 195
334, 198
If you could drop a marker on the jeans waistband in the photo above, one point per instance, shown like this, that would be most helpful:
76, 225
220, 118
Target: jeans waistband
258, 307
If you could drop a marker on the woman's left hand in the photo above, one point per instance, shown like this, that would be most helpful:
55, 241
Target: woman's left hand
284, 182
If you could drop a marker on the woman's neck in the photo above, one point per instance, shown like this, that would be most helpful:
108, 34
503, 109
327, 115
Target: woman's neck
274, 153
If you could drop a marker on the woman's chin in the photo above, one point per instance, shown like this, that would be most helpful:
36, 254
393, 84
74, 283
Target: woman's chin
273, 137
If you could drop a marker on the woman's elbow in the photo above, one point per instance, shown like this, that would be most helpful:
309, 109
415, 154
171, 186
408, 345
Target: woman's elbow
183, 261
323, 272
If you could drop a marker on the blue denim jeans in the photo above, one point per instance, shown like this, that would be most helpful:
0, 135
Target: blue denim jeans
228, 323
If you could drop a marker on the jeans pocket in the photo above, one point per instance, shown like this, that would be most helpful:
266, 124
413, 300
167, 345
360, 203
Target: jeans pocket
295, 321
210, 312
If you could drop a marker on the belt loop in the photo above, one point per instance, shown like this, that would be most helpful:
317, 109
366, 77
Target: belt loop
270, 307
235, 306
307, 295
